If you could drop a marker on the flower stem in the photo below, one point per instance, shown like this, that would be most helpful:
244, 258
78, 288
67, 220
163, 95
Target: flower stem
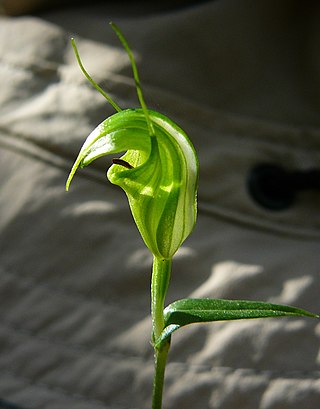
159, 286
160, 358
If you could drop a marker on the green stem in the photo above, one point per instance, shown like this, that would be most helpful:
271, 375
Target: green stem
159, 286
160, 357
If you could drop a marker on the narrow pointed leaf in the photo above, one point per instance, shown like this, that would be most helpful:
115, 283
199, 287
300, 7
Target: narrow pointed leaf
192, 310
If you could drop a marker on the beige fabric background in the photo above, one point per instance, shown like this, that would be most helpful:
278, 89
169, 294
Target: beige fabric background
243, 79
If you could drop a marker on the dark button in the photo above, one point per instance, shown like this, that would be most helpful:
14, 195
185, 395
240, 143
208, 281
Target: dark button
275, 188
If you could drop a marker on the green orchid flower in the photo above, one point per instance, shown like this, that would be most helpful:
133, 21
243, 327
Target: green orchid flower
158, 172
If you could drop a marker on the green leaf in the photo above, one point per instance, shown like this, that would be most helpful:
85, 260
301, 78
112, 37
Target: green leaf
193, 310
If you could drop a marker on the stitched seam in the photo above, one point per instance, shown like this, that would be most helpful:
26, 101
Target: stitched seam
287, 229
